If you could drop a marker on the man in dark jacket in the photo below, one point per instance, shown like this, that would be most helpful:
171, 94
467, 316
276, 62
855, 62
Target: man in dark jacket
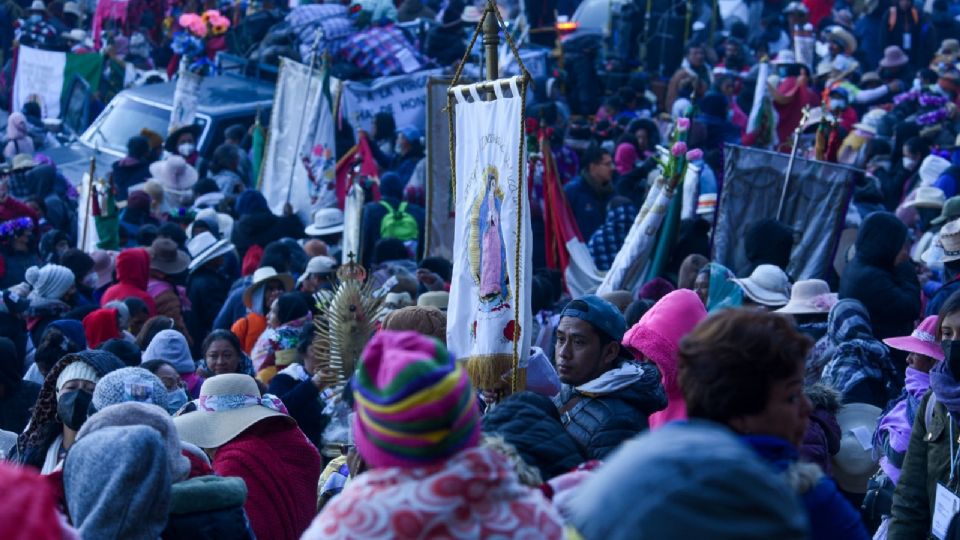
391, 191
132, 169
605, 399
882, 277
589, 193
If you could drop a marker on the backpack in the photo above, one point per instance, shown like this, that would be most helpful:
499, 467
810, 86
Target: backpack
398, 223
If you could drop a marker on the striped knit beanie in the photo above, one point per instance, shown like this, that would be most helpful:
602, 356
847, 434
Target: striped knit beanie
414, 403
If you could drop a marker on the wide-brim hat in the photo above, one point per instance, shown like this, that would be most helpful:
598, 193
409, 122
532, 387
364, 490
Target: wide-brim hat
205, 248
949, 47
326, 221
170, 144
809, 297
175, 175
950, 241
73, 8
927, 197
166, 257
854, 464
76, 34
767, 286
437, 299
261, 276
950, 211
37, 5
216, 422
894, 56
843, 38
785, 57
22, 162
923, 340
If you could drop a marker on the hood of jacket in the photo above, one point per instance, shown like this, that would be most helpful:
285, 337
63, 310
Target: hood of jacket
768, 242
634, 382
100, 326
133, 268
880, 239
657, 336
125, 496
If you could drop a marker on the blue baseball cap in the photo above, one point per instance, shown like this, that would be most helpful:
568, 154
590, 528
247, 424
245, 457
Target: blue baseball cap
603, 315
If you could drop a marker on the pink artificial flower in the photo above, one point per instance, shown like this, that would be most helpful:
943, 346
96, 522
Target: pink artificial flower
683, 124
695, 154
188, 19
679, 149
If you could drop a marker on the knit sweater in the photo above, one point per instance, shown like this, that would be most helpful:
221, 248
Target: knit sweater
281, 469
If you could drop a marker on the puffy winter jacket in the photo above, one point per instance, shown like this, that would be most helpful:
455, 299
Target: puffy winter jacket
612, 408
530, 423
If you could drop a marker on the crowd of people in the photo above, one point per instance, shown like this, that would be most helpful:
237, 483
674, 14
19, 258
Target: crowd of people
175, 382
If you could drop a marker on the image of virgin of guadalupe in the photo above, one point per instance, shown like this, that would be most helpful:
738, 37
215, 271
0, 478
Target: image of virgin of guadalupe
487, 250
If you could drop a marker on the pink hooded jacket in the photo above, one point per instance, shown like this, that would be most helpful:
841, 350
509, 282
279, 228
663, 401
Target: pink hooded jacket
657, 338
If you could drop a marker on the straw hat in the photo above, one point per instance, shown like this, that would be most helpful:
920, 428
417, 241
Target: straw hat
894, 56
854, 464
261, 276
326, 221
165, 257
228, 405
809, 297
205, 248
22, 162
843, 38
767, 286
923, 340
950, 240
927, 197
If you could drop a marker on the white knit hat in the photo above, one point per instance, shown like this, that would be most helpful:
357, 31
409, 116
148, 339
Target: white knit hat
51, 282
77, 371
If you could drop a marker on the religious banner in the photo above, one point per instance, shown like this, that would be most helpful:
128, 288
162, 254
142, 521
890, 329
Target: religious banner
404, 96
815, 205
186, 95
44, 77
489, 318
299, 162
440, 222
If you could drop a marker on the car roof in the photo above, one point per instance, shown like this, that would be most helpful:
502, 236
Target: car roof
219, 94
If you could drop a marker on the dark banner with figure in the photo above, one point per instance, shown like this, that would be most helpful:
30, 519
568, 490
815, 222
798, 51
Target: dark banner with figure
814, 206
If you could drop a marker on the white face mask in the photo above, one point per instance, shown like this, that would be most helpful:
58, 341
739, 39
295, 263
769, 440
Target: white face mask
909, 163
91, 279
838, 104
186, 149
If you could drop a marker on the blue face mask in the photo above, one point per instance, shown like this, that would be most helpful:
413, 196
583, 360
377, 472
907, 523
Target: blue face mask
176, 399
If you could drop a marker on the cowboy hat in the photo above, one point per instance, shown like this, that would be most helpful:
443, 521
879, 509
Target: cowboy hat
165, 257
927, 197
228, 405
809, 297
170, 144
923, 340
326, 221
204, 248
767, 286
838, 35
853, 465
950, 241
260, 277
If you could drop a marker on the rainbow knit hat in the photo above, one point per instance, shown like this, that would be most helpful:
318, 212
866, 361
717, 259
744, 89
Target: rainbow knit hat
414, 403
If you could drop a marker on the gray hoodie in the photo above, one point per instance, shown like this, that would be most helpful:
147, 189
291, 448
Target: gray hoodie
117, 484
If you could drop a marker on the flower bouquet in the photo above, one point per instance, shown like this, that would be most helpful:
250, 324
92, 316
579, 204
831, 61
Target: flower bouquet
190, 42
674, 164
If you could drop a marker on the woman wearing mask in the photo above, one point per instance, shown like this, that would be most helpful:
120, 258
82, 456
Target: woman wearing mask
928, 473
276, 348
744, 369
62, 408
176, 389
183, 142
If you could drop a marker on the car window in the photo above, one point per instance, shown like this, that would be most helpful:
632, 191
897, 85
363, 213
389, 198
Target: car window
123, 119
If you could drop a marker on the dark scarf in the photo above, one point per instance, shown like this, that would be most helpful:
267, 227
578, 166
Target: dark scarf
946, 387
